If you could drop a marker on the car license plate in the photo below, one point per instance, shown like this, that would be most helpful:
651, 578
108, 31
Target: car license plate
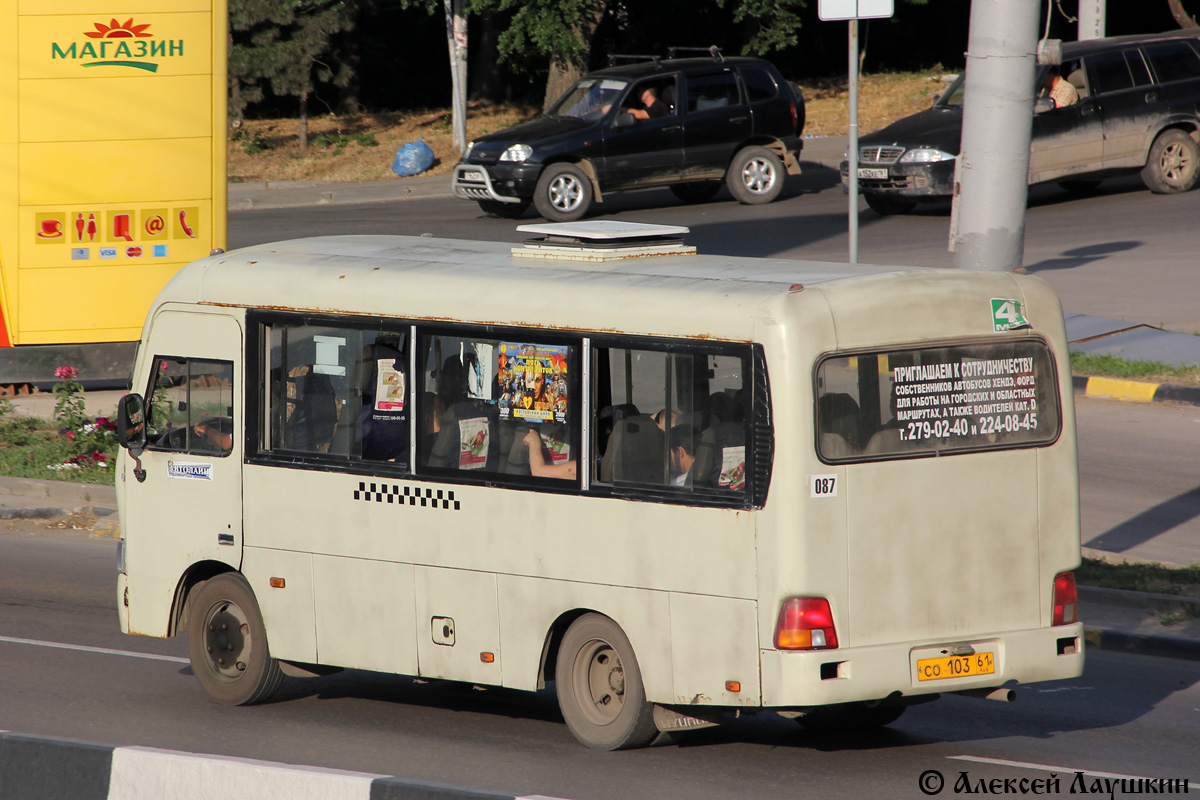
939, 669
872, 174
471, 175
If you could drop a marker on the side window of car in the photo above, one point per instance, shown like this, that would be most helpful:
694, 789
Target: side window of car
759, 84
1110, 73
1173, 61
715, 90
1137, 68
190, 406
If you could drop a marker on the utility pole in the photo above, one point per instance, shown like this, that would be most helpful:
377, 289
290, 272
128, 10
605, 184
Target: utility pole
988, 221
456, 38
1091, 19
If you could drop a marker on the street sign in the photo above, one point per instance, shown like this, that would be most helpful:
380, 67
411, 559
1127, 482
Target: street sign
834, 10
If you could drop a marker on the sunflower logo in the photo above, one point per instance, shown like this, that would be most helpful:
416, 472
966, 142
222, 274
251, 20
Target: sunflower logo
118, 30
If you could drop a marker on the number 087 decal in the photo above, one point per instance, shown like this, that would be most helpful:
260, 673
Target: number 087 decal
822, 485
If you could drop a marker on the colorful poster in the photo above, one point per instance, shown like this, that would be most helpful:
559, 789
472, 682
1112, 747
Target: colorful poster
533, 382
389, 388
472, 443
733, 468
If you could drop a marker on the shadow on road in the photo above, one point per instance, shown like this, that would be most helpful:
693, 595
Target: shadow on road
1145, 526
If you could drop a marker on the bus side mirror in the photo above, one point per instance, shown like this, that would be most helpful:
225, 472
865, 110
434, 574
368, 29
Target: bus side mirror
131, 423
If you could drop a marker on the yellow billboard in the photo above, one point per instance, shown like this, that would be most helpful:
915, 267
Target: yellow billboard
112, 152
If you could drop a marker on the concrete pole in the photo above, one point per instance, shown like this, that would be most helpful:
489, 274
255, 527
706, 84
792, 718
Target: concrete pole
997, 120
1091, 19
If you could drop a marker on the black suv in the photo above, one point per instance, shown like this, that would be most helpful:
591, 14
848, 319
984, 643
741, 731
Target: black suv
1138, 109
731, 119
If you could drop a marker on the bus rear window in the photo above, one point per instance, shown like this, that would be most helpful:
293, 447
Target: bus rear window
936, 400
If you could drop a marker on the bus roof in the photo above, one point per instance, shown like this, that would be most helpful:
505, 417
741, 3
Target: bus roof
711, 296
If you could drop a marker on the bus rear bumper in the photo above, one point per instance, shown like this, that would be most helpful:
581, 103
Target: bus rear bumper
792, 679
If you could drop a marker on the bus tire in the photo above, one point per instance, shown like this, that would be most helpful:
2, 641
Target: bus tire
851, 717
563, 193
600, 688
755, 176
227, 643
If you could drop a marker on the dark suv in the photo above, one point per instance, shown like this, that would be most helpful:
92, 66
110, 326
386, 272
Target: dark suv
1138, 109
725, 119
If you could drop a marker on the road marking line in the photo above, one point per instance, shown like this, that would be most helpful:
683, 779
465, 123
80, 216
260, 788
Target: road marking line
103, 650
1048, 768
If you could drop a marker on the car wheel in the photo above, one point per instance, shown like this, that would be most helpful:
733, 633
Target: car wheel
1173, 164
885, 206
850, 717
755, 176
696, 191
563, 193
1080, 186
599, 687
494, 208
227, 643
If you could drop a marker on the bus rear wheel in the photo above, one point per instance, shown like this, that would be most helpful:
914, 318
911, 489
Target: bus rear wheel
600, 687
227, 643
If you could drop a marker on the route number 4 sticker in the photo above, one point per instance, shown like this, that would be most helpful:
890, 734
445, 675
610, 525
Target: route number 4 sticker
1007, 315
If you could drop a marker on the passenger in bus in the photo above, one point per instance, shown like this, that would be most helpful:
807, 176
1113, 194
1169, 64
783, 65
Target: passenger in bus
539, 466
217, 432
663, 416
683, 454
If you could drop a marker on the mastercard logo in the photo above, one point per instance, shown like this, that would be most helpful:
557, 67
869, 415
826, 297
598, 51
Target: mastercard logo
133, 252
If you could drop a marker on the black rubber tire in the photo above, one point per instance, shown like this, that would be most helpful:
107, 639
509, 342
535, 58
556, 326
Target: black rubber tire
563, 193
227, 643
851, 717
755, 176
494, 208
886, 206
696, 191
600, 689
1173, 163
1082, 186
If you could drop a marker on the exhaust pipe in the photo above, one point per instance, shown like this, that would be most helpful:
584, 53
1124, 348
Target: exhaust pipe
1003, 695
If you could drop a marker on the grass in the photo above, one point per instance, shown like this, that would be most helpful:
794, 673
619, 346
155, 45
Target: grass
361, 147
37, 448
1149, 371
1140, 577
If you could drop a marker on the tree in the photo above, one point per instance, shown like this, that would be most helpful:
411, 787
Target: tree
287, 43
1184, 19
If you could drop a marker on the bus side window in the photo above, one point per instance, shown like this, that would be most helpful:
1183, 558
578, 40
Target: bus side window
190, 408
671, 419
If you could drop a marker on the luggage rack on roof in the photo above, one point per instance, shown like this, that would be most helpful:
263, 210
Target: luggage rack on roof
714, 51
602, 240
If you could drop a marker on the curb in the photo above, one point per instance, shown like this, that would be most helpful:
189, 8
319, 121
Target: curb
1136, 391
41, 766
1142, 644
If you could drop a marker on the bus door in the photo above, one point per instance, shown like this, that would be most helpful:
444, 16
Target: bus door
188, 507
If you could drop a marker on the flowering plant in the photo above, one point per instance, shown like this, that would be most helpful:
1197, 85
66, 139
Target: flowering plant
88, 437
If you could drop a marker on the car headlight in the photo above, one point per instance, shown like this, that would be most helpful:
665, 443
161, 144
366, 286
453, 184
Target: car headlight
925, 155
467, 153
518, 152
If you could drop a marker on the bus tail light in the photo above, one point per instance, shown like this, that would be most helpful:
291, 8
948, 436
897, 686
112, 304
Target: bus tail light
1066, 599
805, 623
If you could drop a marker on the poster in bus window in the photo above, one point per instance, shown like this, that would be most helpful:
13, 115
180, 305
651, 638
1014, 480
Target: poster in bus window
533, 382
472, 443
733, 468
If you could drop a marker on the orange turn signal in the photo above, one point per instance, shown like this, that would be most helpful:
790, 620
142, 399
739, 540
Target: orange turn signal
278, 583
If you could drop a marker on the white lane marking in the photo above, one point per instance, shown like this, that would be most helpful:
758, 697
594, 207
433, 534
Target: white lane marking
102, 650
1048, 768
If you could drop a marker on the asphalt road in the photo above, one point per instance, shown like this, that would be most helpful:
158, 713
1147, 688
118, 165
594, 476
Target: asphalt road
1127, 715
1122, 253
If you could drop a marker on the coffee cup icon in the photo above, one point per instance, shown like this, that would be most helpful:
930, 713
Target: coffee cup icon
51, 229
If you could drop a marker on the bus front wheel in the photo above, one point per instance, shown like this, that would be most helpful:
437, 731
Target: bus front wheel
600, 687
227, 643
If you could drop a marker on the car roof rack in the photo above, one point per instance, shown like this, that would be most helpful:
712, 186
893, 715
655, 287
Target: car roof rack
613, 58
713, 51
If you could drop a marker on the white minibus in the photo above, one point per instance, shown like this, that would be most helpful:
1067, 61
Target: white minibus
676, 485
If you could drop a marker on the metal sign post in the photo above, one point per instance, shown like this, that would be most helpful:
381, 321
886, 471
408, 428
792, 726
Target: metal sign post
852, 11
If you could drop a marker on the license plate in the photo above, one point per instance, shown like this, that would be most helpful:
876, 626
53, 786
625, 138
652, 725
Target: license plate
872, 174
471, 175
940, 669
